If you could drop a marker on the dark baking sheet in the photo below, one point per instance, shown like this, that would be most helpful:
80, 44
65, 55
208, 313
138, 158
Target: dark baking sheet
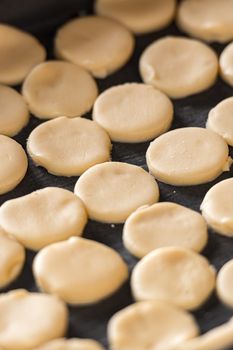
42, 18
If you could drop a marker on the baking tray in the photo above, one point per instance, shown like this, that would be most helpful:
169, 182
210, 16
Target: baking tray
42, 19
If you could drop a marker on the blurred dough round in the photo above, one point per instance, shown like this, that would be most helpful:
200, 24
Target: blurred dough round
210, 20
56, 88
71, 344
19, 53
163, 225
217, 207
140, 16
225, 283
133, 112
179, 66
226, 64
112, 191
84, 144
14, 114
13, 162
175, 275
12, 257
79, 271
44, 216
188, 156
98, 44
29, 319
150, 325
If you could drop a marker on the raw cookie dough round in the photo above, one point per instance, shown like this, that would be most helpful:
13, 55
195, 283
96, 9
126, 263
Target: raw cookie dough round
19, 53
225, 283
44, 216
179, 66
84, 144
217, 207
14, 114
163, 225
14, 164
133, 112
71, 344
12, 257
97, 44
29, 319
56, 88
226, 64
112, 191
140, 16
210, 20
92, 271
175, 275
188, 156
150, 325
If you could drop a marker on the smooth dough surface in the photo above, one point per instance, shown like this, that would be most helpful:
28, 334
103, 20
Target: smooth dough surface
188, 156
175, 275
79, 271
98, 44
210, 20
179, 66
133, 112
44, 216
151, 325
56, 88
19, 53
226, 64
225, 283
14, 164
84, 144
14, 114
140, 16
12, 257
71, 344
112, 191
217, 207
163, 225
29, 319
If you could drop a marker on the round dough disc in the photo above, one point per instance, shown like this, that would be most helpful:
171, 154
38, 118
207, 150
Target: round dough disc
225, 283
92, 271
12, 257
83, 41
226, 64
121, 111
210, 20
175, 275
71, 344
42, 217
29, 319
13, 162
14, 114
217, 207
56, 88
163, 225
84, 144
179, 66
140, 16
188, 156
112, 191
150, 325
19, 53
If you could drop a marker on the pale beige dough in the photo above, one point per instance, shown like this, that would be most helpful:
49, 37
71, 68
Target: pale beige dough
44, 216
226, 64
151, 325
179, 66
112, 191
133, 112
14, 114
56, 88
97, 44
188, 156
14, 164
217, 207
79, 271
140, 16
225, 283
210, 20
19, 53
175, 275
163, 225
29, 319
71, 344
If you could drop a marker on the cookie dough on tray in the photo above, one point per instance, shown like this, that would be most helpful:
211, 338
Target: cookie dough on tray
225, 283
71, 344
226, 64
